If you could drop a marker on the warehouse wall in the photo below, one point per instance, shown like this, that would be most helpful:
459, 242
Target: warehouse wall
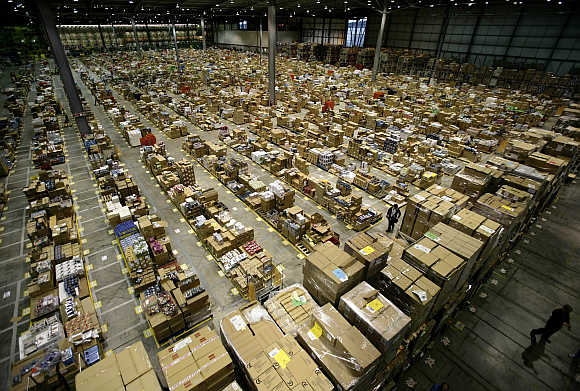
545, 36
327, 31
250, 38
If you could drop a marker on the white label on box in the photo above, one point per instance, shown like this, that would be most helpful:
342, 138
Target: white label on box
181, 344
419, 197
487, 229
238, 322
439, 187
422, 248
456, 217
447, 198
311, 336
273, 352
422, 295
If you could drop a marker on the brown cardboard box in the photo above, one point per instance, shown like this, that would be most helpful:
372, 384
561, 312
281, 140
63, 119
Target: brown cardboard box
146, 382
271, 361
329, 272
344, 353
197, 362
104, 375
291, 308
372, 251
133, 362
376, 317
232, 387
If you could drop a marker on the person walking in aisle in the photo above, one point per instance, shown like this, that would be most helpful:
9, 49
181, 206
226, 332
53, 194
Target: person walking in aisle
393, 215
560, 317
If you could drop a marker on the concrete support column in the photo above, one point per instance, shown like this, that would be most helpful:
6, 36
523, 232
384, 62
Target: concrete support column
272, 54
115, 36
377, 61
260, 41
148, 35
203, 33
47, 18
175, 46
102, 38
135, 34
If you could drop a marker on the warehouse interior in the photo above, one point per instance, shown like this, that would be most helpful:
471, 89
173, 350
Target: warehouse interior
289, 195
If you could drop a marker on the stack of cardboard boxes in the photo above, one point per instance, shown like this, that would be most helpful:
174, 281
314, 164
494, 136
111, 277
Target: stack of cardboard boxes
329, 272
343, 352
130, 370
198, 362
290, 308
376, 317
427, 208
270, 361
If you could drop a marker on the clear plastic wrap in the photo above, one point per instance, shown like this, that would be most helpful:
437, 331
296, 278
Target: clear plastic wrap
373, 314
291, 307
268, 357
345, 354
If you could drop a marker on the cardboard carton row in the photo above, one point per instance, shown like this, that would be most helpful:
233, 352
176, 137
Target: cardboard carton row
477, 153
197, 362
275, 202
63, 320
130, 369
269, 359
346, 206
243, 261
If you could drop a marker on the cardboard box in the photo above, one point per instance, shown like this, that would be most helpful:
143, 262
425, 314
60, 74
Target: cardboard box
372, 250
146, 382
330, 272
270, 360
133, 362
376, 317
290, 308
197, 362
104, 375
344, 353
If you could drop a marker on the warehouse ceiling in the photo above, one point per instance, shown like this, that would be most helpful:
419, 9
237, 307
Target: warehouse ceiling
19, 12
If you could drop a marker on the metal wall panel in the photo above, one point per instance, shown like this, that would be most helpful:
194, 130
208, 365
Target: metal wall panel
540, 36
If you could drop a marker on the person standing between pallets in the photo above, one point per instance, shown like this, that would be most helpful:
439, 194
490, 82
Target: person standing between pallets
560, 317
393, 215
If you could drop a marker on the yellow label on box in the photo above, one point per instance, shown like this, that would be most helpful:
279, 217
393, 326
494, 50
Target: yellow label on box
375, 305
316, 330
280, 356
367, 250
507, 207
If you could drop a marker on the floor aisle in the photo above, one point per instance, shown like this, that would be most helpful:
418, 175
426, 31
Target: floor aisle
487, 338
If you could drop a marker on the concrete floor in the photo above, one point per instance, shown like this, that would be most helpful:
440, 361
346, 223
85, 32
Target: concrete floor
485, 346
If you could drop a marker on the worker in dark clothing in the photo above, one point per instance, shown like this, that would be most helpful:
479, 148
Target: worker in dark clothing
440, 387
393, 215
560, 317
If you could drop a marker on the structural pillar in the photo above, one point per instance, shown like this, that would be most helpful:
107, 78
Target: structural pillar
135, 34
148, 35
47, 18
102, 38
377, 61
272, 54
175, 46
115, 36
260, 41
203, 33
440, 42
